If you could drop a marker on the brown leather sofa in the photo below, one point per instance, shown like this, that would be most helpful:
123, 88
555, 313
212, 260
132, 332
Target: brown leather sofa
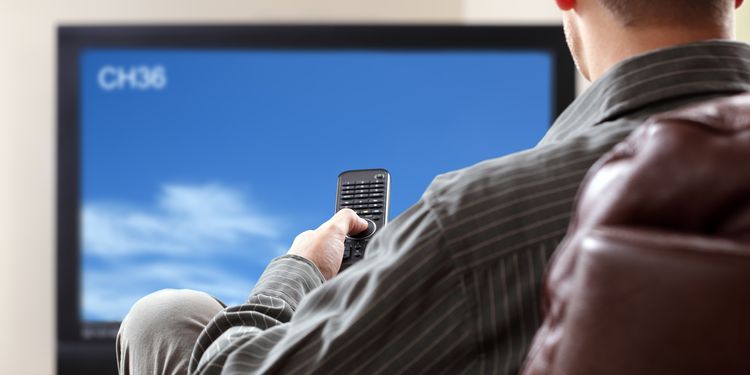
654, 275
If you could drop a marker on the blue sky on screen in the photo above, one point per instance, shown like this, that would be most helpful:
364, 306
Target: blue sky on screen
200, 183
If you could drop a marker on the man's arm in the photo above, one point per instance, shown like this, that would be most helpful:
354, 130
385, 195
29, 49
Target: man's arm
400, 308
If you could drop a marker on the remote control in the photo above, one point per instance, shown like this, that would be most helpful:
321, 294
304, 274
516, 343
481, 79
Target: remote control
367, 193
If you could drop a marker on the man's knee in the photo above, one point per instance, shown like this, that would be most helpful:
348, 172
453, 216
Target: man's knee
169, 312
158, 334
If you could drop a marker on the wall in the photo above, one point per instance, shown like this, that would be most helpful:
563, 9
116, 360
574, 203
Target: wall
27, 53
743, 23
510, 12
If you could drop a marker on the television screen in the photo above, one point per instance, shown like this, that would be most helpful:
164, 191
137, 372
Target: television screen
199, 166
191, 156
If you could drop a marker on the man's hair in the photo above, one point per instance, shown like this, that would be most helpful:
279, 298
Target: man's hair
688, 12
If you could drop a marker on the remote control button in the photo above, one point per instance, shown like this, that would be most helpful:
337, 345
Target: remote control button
365, 212
377, 212
376, 205
367, 233
347, 253
380, 176
377, 195
347, 196
376, 200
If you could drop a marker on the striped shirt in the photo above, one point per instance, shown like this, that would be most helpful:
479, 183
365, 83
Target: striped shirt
453, 284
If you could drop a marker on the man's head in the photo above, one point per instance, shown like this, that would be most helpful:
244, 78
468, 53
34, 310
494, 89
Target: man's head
601, 33
634, 13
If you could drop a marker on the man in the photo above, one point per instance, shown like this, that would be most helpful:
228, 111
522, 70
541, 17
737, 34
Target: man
453, 284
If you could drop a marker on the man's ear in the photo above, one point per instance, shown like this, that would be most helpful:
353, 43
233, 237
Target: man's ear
738, 3
566, 5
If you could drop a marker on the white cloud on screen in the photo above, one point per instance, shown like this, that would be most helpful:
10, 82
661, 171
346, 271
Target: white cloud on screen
110, 292
185, 218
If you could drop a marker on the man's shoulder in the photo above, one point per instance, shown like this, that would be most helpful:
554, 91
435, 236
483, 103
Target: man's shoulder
521, 197
512, 172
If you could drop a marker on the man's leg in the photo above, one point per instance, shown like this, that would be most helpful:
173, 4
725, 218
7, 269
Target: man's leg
158, 334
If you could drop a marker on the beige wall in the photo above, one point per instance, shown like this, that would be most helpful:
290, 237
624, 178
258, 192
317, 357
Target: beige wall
510, 12
743, 23
27, 52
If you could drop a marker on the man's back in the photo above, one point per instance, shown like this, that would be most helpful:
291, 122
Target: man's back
453, 283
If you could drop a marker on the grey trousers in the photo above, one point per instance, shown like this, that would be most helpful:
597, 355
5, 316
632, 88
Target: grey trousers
158, 334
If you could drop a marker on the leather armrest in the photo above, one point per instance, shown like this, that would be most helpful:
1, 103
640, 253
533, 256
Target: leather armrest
650, 302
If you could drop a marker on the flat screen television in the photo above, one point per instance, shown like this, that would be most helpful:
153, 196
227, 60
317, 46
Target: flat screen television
190, 156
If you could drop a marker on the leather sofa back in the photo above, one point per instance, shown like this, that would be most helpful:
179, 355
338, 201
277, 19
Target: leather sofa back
654, 274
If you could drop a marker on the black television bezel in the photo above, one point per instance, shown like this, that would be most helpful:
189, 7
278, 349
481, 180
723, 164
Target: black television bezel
72, 40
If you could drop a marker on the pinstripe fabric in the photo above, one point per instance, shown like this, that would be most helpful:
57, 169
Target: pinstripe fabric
452, 285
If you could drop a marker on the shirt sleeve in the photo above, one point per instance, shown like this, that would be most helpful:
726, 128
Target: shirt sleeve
401, 307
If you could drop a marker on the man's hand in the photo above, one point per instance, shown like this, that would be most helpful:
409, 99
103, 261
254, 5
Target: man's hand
325, 245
